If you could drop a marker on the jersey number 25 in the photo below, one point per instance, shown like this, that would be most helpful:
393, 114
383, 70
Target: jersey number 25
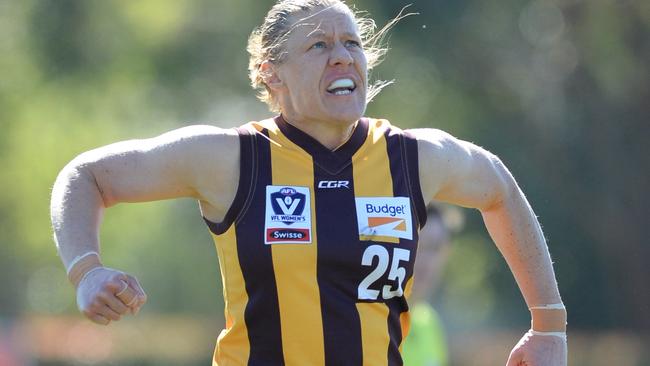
396, 272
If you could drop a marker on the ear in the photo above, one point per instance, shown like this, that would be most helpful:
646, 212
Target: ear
269, 74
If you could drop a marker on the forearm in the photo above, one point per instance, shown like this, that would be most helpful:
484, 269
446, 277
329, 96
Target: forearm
515, 230
76, 211
103, 294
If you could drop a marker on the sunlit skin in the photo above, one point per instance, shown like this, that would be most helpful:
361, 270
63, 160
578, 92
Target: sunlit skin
322, 47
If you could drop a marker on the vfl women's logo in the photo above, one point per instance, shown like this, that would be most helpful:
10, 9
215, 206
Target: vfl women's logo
288, 205
288, 215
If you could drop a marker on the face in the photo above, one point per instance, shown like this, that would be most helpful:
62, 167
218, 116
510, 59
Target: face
322, 77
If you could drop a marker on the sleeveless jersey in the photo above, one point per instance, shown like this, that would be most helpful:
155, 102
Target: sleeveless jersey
317, 249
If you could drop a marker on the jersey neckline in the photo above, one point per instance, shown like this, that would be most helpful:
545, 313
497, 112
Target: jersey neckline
333, 161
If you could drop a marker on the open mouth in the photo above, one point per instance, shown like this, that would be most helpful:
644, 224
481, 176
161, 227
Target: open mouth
343, 86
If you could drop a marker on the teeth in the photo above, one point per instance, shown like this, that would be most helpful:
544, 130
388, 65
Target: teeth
341, 83
343, 92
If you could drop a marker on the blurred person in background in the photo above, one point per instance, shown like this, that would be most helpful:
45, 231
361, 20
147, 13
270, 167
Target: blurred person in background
315, 213
426, 343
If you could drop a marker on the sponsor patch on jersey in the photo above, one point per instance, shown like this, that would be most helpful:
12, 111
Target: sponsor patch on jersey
330, 184
288, 215
384, 217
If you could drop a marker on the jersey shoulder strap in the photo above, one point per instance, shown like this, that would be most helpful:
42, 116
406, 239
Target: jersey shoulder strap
247, 173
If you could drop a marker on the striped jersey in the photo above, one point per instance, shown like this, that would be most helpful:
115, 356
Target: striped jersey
317, 249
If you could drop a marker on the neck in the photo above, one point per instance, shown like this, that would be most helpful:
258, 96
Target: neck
328, 133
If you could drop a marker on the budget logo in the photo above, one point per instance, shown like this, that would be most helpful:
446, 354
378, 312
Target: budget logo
384, 217
288, 215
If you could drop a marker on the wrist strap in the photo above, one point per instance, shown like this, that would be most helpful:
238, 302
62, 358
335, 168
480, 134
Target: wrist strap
549, 318
558, 306
82, 265
550, 334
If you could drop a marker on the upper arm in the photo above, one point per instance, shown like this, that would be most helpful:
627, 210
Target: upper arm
459, 172
196, 161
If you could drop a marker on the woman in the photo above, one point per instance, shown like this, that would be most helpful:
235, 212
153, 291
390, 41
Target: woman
315, 213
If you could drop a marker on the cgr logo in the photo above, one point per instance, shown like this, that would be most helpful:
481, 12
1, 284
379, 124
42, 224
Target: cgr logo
328, 184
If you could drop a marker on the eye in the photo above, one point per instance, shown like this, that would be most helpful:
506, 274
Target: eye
319, 44
352, 43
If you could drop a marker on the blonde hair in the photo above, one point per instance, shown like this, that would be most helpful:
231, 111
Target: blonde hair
266, 42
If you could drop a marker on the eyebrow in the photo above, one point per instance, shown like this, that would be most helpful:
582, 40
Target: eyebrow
319, 33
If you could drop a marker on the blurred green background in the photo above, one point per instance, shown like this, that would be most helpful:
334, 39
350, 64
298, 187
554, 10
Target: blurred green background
559, 89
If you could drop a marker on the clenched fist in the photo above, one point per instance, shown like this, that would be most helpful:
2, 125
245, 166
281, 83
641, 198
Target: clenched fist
105, 294
539, 350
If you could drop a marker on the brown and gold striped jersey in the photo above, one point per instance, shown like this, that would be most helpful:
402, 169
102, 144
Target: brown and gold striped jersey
317, 250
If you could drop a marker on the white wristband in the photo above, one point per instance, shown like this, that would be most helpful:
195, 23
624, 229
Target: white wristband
79, 258
558, 306
552, 334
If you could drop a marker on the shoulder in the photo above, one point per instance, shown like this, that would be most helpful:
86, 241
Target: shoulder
429, 140
211, 156
455, 170
438, 145
198, 135
441, 151
203, 146
437, 140
210, 145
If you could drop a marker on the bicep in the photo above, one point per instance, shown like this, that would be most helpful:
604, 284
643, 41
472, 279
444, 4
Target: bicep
459, 172
179, 163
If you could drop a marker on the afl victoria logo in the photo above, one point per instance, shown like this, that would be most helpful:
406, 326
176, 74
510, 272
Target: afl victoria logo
288, 204
288, 215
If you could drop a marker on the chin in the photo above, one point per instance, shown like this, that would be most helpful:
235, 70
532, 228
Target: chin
350, 114
344, 118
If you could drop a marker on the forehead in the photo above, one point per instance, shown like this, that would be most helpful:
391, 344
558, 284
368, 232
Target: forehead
322, 22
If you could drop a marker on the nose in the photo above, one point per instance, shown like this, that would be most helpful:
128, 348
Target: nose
340, 55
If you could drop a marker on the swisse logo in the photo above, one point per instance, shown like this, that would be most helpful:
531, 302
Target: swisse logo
329, 184
385, 209
288, 215
384, 217
287, 234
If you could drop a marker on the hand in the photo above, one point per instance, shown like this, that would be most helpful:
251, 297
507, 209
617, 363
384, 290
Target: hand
105, 294
539, 350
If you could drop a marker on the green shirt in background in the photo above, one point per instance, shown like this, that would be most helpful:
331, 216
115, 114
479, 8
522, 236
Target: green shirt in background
425, 344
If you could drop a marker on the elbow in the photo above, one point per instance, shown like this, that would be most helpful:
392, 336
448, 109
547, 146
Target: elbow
504, 186
78, 177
